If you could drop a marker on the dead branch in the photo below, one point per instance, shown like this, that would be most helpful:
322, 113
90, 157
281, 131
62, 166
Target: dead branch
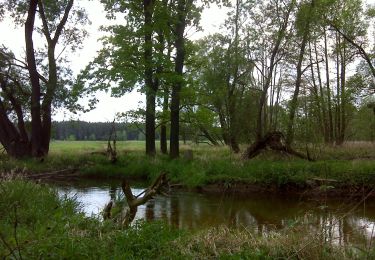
129, 211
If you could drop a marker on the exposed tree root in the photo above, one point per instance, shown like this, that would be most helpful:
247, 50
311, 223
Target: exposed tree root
273, 141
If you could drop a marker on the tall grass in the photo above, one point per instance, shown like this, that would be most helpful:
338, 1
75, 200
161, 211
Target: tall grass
209, 165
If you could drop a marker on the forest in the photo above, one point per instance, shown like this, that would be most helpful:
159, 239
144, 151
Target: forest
276, 104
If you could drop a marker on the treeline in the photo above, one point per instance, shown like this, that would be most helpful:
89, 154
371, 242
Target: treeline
81, 130
362, 128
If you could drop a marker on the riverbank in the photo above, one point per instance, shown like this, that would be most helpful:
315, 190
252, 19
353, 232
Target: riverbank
36, 223
337, 171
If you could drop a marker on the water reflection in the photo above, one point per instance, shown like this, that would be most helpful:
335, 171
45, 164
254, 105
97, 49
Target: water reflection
333, 221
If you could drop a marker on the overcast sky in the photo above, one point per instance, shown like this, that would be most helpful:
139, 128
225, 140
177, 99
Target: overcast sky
106, 109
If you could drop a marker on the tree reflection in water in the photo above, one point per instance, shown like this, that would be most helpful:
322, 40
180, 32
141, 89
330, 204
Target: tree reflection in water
258, 213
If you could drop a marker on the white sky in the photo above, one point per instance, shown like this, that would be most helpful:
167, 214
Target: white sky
107, 107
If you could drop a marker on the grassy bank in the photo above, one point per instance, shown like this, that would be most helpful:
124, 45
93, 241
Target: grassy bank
36, 223
350, 165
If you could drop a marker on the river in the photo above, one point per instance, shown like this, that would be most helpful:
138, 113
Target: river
341, 221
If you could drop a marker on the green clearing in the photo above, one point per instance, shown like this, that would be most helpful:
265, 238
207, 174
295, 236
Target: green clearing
351, 164
36, 223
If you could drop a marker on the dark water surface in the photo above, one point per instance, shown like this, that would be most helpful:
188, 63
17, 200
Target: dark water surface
341, 221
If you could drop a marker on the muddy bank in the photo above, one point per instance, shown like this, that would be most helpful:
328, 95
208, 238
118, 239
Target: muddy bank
316, 187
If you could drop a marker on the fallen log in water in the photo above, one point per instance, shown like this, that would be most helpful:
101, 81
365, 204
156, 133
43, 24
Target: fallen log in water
128, 212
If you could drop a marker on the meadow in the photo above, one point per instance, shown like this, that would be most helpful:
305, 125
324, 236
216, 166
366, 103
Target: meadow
350, 165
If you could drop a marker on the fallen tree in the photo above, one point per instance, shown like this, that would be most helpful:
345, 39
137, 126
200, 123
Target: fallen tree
274, 141
127, 214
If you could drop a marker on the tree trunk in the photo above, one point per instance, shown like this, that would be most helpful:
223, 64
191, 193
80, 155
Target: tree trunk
329, 103
233, 131
182, 9
41, 113
163, 127
223, 126
148, 75
322, 98
338, 102
11, 140
150, 122
36, 122
160, 67
48, 98
316, 93
342, 96
294, 101
275, 51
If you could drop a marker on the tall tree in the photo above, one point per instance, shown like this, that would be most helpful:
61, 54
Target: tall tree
135, 54
186, 13
57, 22
304, 17
182, 10
267, 70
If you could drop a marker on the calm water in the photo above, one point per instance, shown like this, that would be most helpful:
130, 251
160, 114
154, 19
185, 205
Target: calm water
341, 221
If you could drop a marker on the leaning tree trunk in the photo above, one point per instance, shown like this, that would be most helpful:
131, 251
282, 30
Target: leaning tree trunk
13, 142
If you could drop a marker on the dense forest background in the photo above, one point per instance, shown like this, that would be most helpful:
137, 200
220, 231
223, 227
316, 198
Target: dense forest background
94, 131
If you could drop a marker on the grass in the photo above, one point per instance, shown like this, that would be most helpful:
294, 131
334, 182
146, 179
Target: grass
36, 224
350, 164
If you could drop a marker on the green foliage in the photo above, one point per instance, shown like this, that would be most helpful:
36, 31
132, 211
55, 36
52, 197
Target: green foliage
35, 220
71, 38
348, 165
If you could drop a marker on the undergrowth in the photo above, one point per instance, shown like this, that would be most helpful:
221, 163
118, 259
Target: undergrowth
209, 165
